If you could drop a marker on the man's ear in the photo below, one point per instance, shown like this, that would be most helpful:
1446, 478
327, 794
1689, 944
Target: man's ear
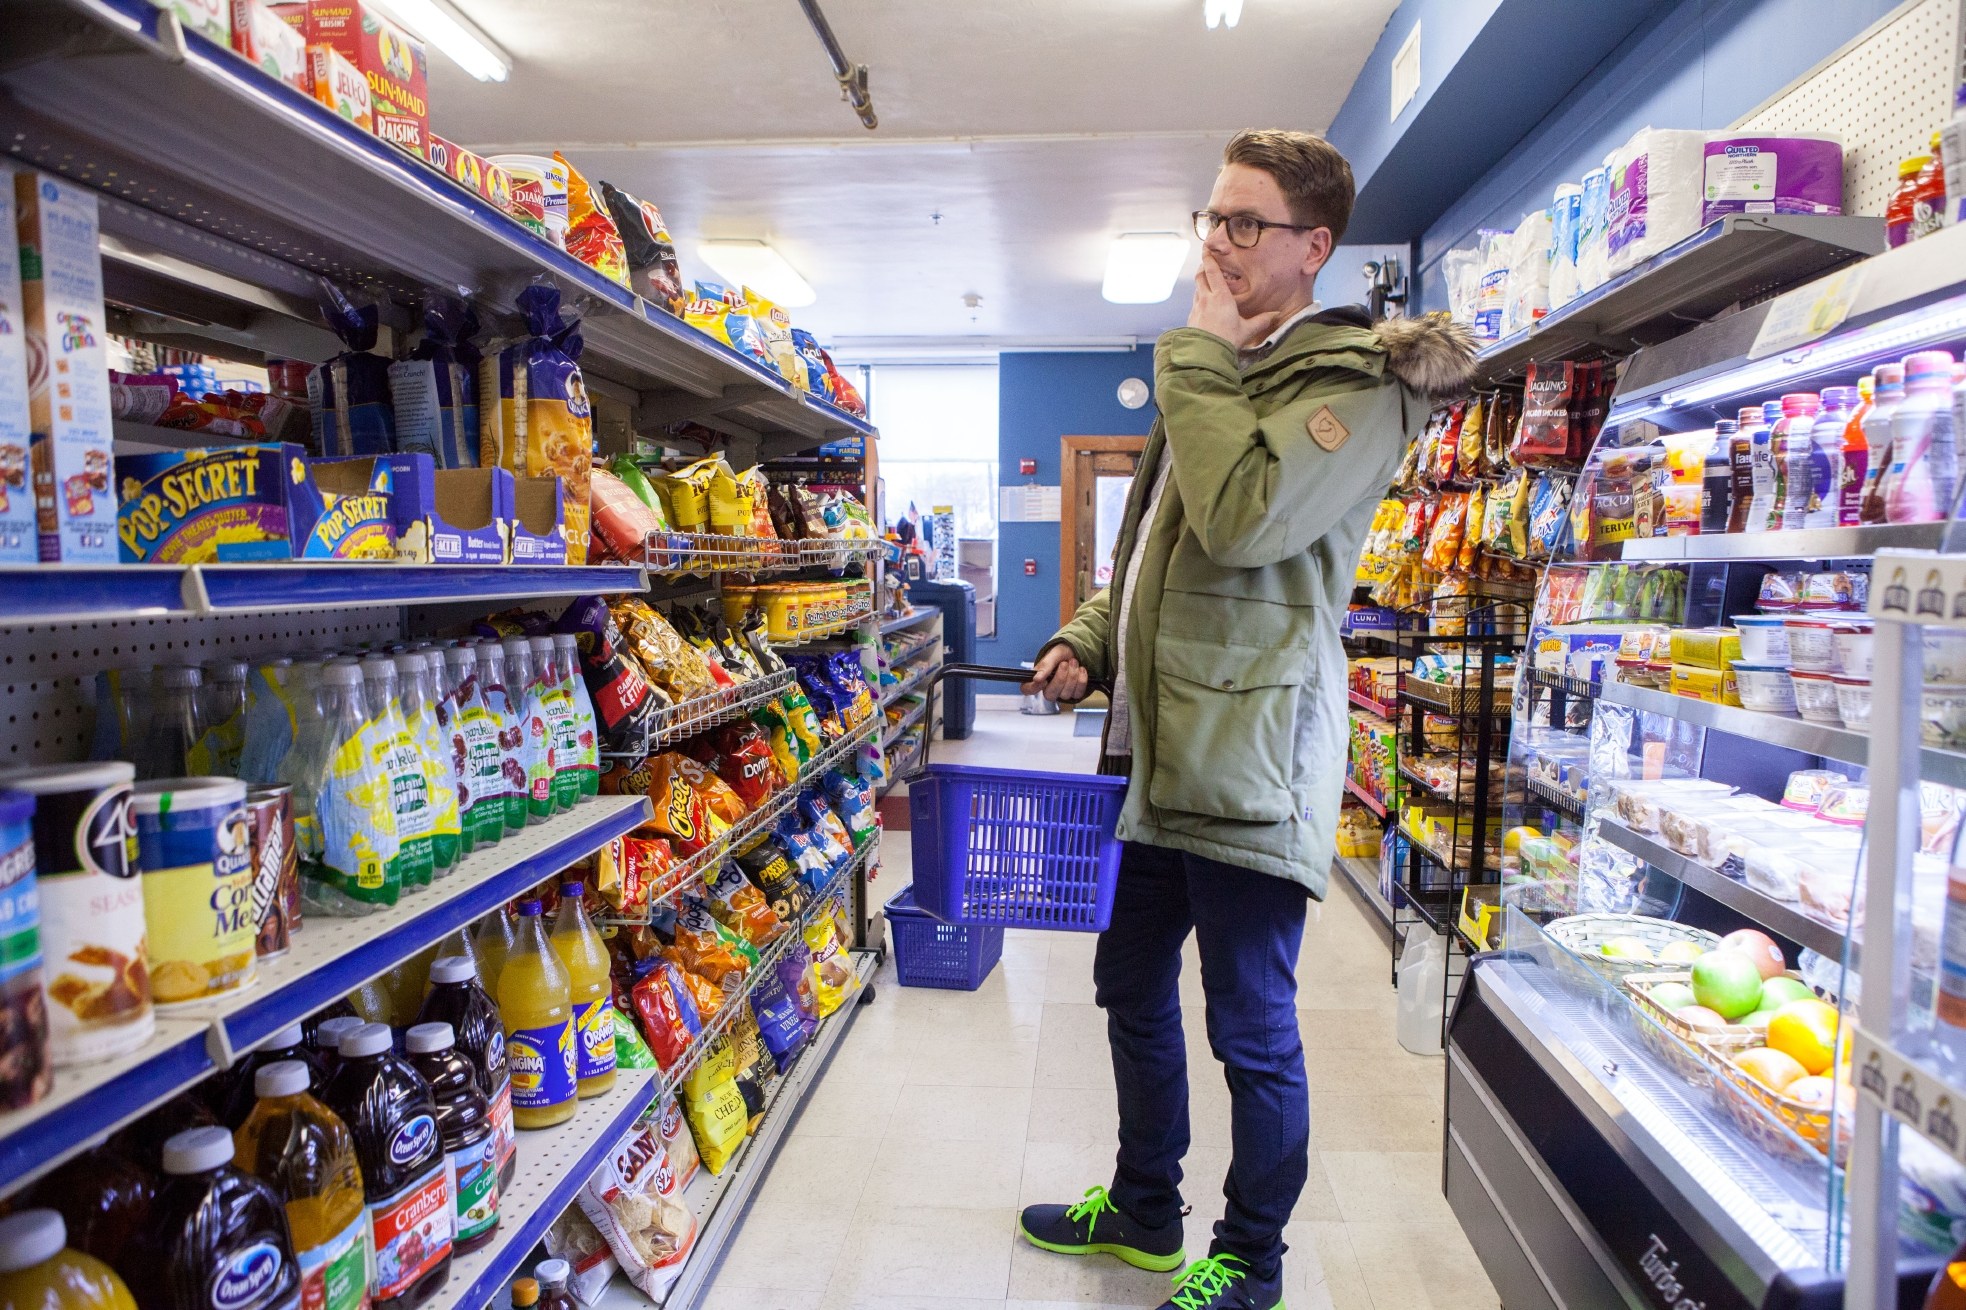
1318, 252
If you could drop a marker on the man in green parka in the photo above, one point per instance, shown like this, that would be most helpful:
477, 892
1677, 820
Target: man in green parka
1281, 425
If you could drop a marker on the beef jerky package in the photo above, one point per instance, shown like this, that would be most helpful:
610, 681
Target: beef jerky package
1593, 402
625, 701
1549, 400
654, 274
349, 395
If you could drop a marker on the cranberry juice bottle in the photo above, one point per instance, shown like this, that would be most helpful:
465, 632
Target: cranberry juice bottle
464, 1121
406, 1177
220, 1235
460, 1000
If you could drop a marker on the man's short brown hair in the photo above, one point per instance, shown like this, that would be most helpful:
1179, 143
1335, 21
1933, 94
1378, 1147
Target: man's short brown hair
1316, 179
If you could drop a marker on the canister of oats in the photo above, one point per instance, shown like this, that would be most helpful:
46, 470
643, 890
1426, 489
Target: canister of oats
94, 959
195, 847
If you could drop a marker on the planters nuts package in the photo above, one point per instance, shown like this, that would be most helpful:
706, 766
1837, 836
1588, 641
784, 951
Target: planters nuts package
227, 504
19, 535
392, 61
349, 395
67, 371
533, 413
434, 392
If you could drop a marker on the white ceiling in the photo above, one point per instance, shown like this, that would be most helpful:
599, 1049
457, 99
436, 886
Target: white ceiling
1036, 130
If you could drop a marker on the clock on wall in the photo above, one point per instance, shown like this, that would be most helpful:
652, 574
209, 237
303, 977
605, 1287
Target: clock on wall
1133, 393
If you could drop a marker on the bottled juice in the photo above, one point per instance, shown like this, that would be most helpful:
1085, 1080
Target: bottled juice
344, 823
456, 998
1717, 479
476, 750
1856, 457
297, 1145
553, 1276
38, 1271
406, 1179
1826, 456
327, 1041
493, 943
105, 1198
464, 1122
219, 1234
416, 697
238, 1096
1919, 487
587, 733
1741, 457
535, 1004
1888, 394
578, 943
493, 684
561, 730
1790, 447
397, 756
172, 726
525, 1293
522, 687
1763, 509
1899, 213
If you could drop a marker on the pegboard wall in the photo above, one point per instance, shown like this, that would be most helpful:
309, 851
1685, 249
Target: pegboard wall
48, 670
1884, 93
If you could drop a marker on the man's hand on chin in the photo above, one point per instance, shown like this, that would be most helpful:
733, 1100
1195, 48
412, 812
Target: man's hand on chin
1215, 310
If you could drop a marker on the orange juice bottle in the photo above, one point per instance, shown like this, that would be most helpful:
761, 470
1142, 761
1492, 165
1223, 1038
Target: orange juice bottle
300, 1147
39, 1271
578, 943
492, 944
535, 1003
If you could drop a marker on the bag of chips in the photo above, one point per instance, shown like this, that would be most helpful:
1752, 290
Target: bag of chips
349, 395
666, 1010
775, 874
623, 525
851, 678
591, 235
1549, 402
804, 850
725, 803
682, 814
668, 660
673, 1133
844, 394
574, 1239
630, 1051
715, 1108
825, 827
853, 801
788, 752
741, 907
832, 968
783, 1025
633, 869
636, 1203
624, 701
654, 274
798, 713
746, 762
533, 415
710, 950
704, 994
754, 1067
775, 325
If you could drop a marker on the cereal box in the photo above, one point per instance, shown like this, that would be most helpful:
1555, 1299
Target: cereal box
226, 504
19, 536
67, 370
207, 17
271, 43
340, 86
394, 63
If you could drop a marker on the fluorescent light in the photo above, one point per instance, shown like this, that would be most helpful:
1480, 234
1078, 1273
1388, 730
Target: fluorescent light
1221, 13
1141, 267
443, 25
756, 265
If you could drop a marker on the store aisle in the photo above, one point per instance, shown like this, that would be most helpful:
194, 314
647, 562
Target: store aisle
944, 1112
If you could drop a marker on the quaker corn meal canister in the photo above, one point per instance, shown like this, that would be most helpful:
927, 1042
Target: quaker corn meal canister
276, 868
92, 927
195, 847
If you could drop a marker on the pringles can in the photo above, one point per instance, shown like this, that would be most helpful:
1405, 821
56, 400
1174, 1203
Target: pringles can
276, 867
95, 960
195, 847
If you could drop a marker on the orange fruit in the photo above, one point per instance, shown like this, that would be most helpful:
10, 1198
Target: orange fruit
1805, 1030
1772, 1069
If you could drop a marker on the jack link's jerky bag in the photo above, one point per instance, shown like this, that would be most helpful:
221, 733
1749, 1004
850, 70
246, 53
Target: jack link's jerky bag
349, 395
533, 412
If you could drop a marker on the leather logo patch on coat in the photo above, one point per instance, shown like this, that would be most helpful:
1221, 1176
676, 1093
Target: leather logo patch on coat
1327, 429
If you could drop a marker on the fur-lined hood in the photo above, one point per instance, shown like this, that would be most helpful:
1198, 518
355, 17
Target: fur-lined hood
1434, 355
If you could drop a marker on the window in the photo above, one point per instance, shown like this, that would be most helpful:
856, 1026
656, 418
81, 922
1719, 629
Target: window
938, 443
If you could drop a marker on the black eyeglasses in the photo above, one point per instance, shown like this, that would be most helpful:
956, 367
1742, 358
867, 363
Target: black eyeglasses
1244, 230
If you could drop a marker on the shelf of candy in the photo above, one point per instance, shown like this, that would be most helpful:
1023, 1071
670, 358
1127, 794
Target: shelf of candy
1371, 748
1374, 685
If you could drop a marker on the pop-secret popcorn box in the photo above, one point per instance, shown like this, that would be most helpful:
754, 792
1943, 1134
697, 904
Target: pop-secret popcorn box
67, 370
19, 532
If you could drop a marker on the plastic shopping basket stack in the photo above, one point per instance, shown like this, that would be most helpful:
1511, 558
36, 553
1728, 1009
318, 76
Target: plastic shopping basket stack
996, 849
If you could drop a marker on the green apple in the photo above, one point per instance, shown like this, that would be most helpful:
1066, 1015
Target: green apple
1673, 996
1681, 952
1777, 992
1758, 1019
1727, 982
1625, 948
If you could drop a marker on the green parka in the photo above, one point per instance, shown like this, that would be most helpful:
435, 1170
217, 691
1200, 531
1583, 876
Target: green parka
1234, 666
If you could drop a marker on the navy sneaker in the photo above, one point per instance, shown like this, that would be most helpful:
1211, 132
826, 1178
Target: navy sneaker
1223, 1282
1095, 1226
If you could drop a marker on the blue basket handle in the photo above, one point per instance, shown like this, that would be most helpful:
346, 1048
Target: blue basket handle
983, 673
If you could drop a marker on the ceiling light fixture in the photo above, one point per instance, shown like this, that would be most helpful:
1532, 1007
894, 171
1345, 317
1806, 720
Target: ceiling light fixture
1221, 13
1141, 267
443, 25
756, 265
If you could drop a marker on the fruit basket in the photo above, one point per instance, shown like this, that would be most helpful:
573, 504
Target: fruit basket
1685, 1059
1750, 1103
1584, 936
1641, 987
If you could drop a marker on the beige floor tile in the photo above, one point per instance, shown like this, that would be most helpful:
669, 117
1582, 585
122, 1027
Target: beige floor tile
1026, 979
934, 1114
1376, 1123
961, 1060
1425, 1266
858, 1301
1321, 1257
1386, 1186
1057, 1173
726, 1295
787, 1243
1072, 1116
952, 1173
930, 1013
1396, 1073
1077, 1279
814, 1164
924, 1252
843, 1107
1066, 1305
1068, 979
1068, 1057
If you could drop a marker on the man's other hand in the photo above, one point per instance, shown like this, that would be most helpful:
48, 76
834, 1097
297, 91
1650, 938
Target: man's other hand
1059, 675
1215, 309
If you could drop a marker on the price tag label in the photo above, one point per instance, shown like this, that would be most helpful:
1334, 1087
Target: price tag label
1808, 313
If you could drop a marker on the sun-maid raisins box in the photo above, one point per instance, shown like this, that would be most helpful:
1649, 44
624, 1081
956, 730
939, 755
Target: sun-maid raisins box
450, 516
394, 63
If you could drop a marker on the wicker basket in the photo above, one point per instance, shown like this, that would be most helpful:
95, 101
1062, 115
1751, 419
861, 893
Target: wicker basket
1641, 986
1583, 935
1750, 1104
1454, 698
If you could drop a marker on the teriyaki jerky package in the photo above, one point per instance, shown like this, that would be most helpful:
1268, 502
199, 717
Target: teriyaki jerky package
534, 416
435, 391
654, 274
625, 702
1549, 403
349, 395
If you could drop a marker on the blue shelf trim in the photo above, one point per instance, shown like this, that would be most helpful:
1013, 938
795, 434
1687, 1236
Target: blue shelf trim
33, 593
261, 586
90, 1117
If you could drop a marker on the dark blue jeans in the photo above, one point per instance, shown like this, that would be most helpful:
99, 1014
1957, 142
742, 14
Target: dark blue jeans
1249, 927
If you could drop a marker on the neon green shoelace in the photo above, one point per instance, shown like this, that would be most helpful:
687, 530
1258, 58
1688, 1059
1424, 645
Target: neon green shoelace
1096, 1203
1205, 1279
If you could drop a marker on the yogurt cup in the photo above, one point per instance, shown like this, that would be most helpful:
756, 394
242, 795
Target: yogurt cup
1764, 639
1812, 646
1850, 648
1815, 697
1764, 687
1853, 702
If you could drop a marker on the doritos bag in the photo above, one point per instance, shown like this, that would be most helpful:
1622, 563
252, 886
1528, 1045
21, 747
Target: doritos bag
554, 435
715, 1108
591, 235
746, 763
349, 395
741, 907
434, 393
653, 273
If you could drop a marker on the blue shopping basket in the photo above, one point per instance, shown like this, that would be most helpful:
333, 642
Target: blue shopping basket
1012, 848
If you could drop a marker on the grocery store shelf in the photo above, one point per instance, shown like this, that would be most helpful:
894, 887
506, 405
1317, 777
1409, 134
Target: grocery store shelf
1457, 699
824, 631
1423, 785
1575, 688
1364, 797
56, 593
1737, 258
701, 554
908, 620
1365, 702
1806, 543
1363, 875
1560, 801
245, 181
330, 958
907, 721
685, 719
914, 680
553, 1165
1777, 916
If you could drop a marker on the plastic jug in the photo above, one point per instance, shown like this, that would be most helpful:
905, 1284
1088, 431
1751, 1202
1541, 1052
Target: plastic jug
1422, 990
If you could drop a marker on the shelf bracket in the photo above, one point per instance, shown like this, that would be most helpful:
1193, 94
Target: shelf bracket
662, 411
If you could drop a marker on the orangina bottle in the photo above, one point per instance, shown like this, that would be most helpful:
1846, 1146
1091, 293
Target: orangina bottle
456, 998
297, 1146
535, 1003
493, 943
578, 944
38, 1271
220, 1236
464, 1121
406, 1177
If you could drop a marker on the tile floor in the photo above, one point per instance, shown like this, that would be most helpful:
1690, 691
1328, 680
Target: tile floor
944, 1112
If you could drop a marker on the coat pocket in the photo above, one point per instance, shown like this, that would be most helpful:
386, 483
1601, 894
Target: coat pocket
1225, 728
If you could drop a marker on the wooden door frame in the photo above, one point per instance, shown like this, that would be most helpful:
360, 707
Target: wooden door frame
1069, 449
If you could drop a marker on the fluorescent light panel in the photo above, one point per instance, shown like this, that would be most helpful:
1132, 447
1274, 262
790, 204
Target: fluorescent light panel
1221, 13
1141, 267
756, 265
441, 24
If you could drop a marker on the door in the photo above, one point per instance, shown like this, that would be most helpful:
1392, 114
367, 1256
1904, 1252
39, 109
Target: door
1098, 473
